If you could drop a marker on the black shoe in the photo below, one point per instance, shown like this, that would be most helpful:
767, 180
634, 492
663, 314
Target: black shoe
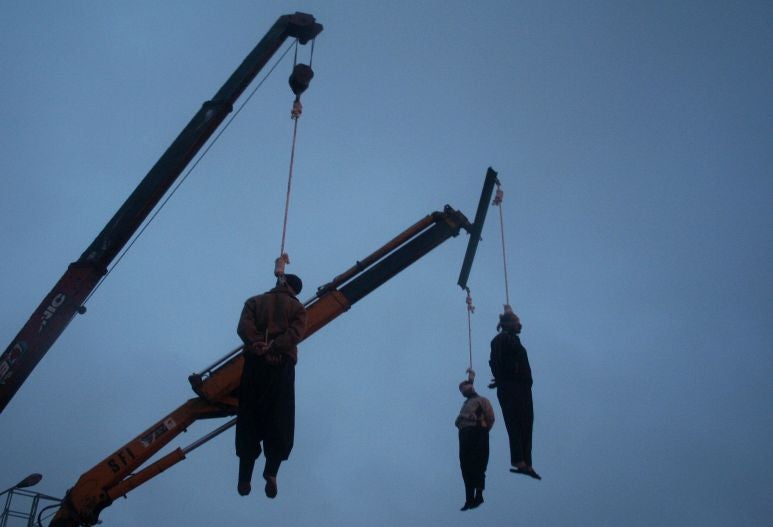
467, 506
477, 501
271, 488
244, 488
245, 475
526, 471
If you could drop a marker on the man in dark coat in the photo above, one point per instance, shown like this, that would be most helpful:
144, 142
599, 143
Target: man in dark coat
512, 378
271, 325
474, 421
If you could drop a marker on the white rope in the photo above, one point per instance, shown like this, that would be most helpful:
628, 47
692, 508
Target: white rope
470, 311
295, 113
498, 203
279, 264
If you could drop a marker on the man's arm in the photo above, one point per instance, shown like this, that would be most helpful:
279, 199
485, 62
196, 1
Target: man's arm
247, 329
295, 331
488, 410
493, 362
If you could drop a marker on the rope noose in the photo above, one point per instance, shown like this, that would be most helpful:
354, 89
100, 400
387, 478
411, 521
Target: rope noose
498, 198
470, 311
299, 82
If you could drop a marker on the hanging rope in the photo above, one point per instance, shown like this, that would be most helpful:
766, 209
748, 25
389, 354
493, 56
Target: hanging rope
279, 267
498, 197
198, 160
470, 311
299, 82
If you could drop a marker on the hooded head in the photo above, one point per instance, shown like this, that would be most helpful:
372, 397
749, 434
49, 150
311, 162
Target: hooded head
509, 321
466, 388
294, 282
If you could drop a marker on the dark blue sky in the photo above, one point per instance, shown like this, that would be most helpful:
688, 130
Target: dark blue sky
633, 141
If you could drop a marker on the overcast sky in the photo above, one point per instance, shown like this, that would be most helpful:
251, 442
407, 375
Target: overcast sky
634, 142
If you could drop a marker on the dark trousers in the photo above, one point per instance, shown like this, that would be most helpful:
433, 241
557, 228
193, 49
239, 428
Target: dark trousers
518, 412
266, 412
473, 457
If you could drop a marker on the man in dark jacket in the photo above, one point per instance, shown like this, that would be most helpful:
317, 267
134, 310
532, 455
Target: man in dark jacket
271, 325
474, 421
512, 378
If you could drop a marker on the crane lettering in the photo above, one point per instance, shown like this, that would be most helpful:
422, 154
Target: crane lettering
9, 359
162, 428
49, 312
120, 459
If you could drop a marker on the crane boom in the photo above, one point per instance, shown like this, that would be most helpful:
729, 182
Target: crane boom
66, 299
217, 387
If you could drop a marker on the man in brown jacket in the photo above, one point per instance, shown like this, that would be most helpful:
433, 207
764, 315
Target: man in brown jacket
271, 325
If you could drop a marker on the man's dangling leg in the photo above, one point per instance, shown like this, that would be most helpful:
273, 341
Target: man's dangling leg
466, 463
247, 437
269, 474
246, 466
508, 402
247, 449
280, 423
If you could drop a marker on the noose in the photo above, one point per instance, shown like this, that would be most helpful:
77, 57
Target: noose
299, 82
498, 197
470, 311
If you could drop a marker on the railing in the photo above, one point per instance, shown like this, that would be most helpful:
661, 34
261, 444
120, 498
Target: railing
22, 507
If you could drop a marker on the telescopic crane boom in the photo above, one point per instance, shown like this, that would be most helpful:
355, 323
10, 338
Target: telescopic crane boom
217, 386
66, 299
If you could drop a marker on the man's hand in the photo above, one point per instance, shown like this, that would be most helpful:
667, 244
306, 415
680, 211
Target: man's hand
260, 348
272, 358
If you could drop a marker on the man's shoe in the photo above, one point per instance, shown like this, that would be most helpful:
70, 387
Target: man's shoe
477, 501
271, 488
244, 488
467, 506
527, 471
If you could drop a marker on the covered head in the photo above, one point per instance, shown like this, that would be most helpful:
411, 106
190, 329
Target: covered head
295, 283
509, 320
466, 387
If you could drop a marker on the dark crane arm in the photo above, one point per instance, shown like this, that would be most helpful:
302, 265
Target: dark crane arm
66, 299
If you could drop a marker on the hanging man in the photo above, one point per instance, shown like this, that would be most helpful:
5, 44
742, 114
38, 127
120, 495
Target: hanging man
271, 325
512, 378
474, 421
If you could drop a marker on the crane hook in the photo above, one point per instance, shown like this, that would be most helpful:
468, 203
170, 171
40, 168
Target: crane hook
300, 79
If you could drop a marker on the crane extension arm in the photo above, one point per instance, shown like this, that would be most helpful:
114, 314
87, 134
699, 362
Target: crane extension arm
216, 386
66, 299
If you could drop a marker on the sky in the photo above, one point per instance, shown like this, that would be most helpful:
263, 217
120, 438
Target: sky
634, 144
